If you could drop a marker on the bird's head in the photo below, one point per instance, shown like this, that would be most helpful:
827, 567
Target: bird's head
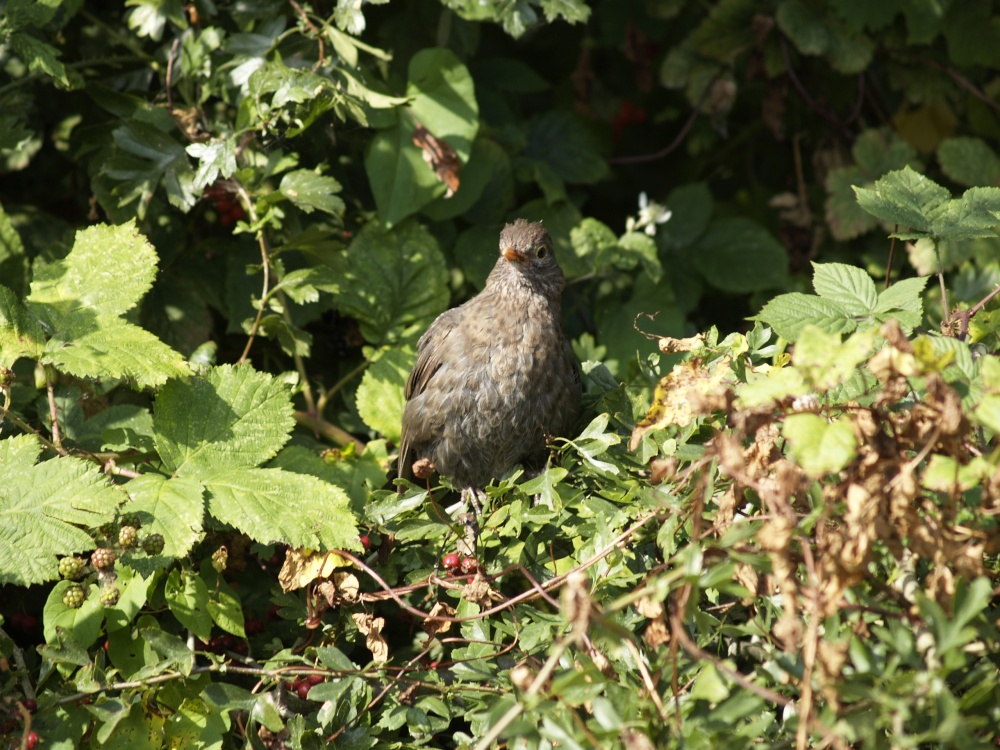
526, 254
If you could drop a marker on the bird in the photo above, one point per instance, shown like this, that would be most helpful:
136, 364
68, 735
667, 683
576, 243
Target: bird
495, 378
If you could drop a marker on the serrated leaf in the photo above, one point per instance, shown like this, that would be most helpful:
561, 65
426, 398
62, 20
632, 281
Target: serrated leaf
380, 397
174, 508
738, 255
905, 198
310, 191
144, 158
43, 506
969, 161
820, 447
83, 624
396, 282
41, 58
106, 274
788, 314
353, 474
850, 287
230, 417
903, 295
215, 159
21, 334
115, 349
271, 505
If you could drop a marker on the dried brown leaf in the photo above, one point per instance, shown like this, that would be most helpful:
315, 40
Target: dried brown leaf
302, 567
371, 627
436, 627
440, 157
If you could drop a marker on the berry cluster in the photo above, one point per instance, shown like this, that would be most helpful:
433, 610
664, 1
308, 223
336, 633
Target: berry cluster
302, 685
230, 210
454, 564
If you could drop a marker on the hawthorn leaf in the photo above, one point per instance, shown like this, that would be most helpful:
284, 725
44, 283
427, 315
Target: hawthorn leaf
380, 395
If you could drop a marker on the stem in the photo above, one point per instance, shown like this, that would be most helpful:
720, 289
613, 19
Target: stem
265, 262
940, 275
330, 431
325, 397
54, 415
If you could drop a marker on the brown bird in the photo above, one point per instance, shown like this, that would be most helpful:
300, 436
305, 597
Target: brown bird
494, 378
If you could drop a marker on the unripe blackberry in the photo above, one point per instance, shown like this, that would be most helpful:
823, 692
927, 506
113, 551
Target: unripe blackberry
153, 544
109, 596
74, 596
128, 537
71, 568
219, 559
131, 519
102, 558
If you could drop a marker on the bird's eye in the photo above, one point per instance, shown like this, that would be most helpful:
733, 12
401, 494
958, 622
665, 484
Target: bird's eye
540, 252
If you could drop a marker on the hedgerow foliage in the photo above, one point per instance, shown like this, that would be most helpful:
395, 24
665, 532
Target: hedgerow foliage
224, 226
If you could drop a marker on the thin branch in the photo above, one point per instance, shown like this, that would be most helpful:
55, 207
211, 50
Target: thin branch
325, 397
328, 430
265, 261
312, 27
678, 139
963, 82
54, 416
807, 97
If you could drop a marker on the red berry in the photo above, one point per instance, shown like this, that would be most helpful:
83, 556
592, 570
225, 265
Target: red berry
314, 679
303, 689
366, 543
272, 613
227, 220
31, 704
450, 561
470, 565
237, 212
32, 740
223, 205
254, 626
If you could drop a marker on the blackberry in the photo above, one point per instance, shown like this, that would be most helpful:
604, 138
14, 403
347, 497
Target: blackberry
74, 596
128, 537
153, 544
131, 519
109, 596
102, 558
71, 568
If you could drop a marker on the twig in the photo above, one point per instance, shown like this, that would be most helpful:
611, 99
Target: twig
170, 74
967, 316
963, 82
888, 265
678, 139
325, 397
809, 647
312, 27
823, 111
533, 689
262, 241
54, 415
330, 431
647, 679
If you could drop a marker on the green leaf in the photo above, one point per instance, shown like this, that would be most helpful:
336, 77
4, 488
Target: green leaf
116, 349
106, 274
788, 314
187, 597
41, 58
903, 301
230, 417
13, 260
709, 686
174, 508
379, 397
42, 507
215, 159
738, 255
82, 624
905, 198
691, 209
560, 140
848, 286
21, 334
224, 604
144, 157
828, 361
310, 191
396, 282
820, 447
271, 505
356, 475
442, 100
846, 218
171, 648
969, 161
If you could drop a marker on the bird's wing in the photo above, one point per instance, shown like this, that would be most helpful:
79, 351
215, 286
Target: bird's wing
430, 355
430, 349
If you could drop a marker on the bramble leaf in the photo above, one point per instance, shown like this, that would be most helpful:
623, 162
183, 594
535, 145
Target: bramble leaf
231, 417
43, 507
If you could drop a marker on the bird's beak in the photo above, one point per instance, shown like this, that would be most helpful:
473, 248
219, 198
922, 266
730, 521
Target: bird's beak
513, 255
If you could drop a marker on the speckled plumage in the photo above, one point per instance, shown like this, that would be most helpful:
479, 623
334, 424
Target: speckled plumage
495, 377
